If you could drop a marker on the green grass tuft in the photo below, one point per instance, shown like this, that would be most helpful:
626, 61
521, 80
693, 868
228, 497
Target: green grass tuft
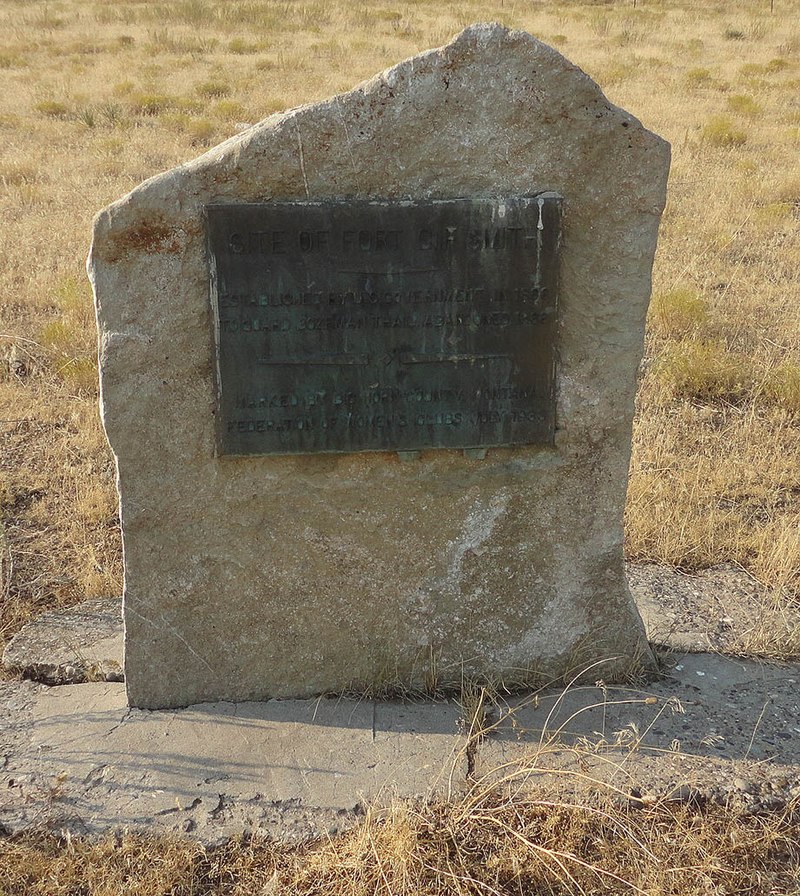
704, 371
721, 131
678, 312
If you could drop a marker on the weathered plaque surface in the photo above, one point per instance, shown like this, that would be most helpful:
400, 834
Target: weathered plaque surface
359, 326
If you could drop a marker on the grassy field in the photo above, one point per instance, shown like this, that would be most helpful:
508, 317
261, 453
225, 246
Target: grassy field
97, 96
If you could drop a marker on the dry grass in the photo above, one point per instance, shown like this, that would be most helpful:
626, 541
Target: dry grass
97, 96
492, 842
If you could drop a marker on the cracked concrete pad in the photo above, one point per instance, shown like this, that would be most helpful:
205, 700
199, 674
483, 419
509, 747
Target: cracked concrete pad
711, 727
69, 646
77, 758
722, 609
83, 760
709, 721
707, 704
264, 576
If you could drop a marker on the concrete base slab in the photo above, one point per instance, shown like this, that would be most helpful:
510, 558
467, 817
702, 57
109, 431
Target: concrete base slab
76, 757
302, 768
706, 704
69, 646
712, 728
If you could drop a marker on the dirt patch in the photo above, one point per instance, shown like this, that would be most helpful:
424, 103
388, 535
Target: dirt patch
720, 609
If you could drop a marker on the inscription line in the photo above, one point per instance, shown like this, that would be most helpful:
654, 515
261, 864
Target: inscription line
403, 359
450, 359
384, 272
336, 360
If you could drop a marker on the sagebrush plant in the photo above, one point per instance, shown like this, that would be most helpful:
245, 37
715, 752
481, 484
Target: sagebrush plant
722, 131
677, 312
705, 370
743, 104
69, 335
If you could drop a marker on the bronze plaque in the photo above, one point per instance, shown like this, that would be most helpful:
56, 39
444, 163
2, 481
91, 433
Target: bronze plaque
384, 326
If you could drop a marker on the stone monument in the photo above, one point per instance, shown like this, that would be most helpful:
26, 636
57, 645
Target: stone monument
368, 371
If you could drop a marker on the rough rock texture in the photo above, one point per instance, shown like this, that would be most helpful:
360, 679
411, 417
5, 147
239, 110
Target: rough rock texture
722, 609
254, 577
